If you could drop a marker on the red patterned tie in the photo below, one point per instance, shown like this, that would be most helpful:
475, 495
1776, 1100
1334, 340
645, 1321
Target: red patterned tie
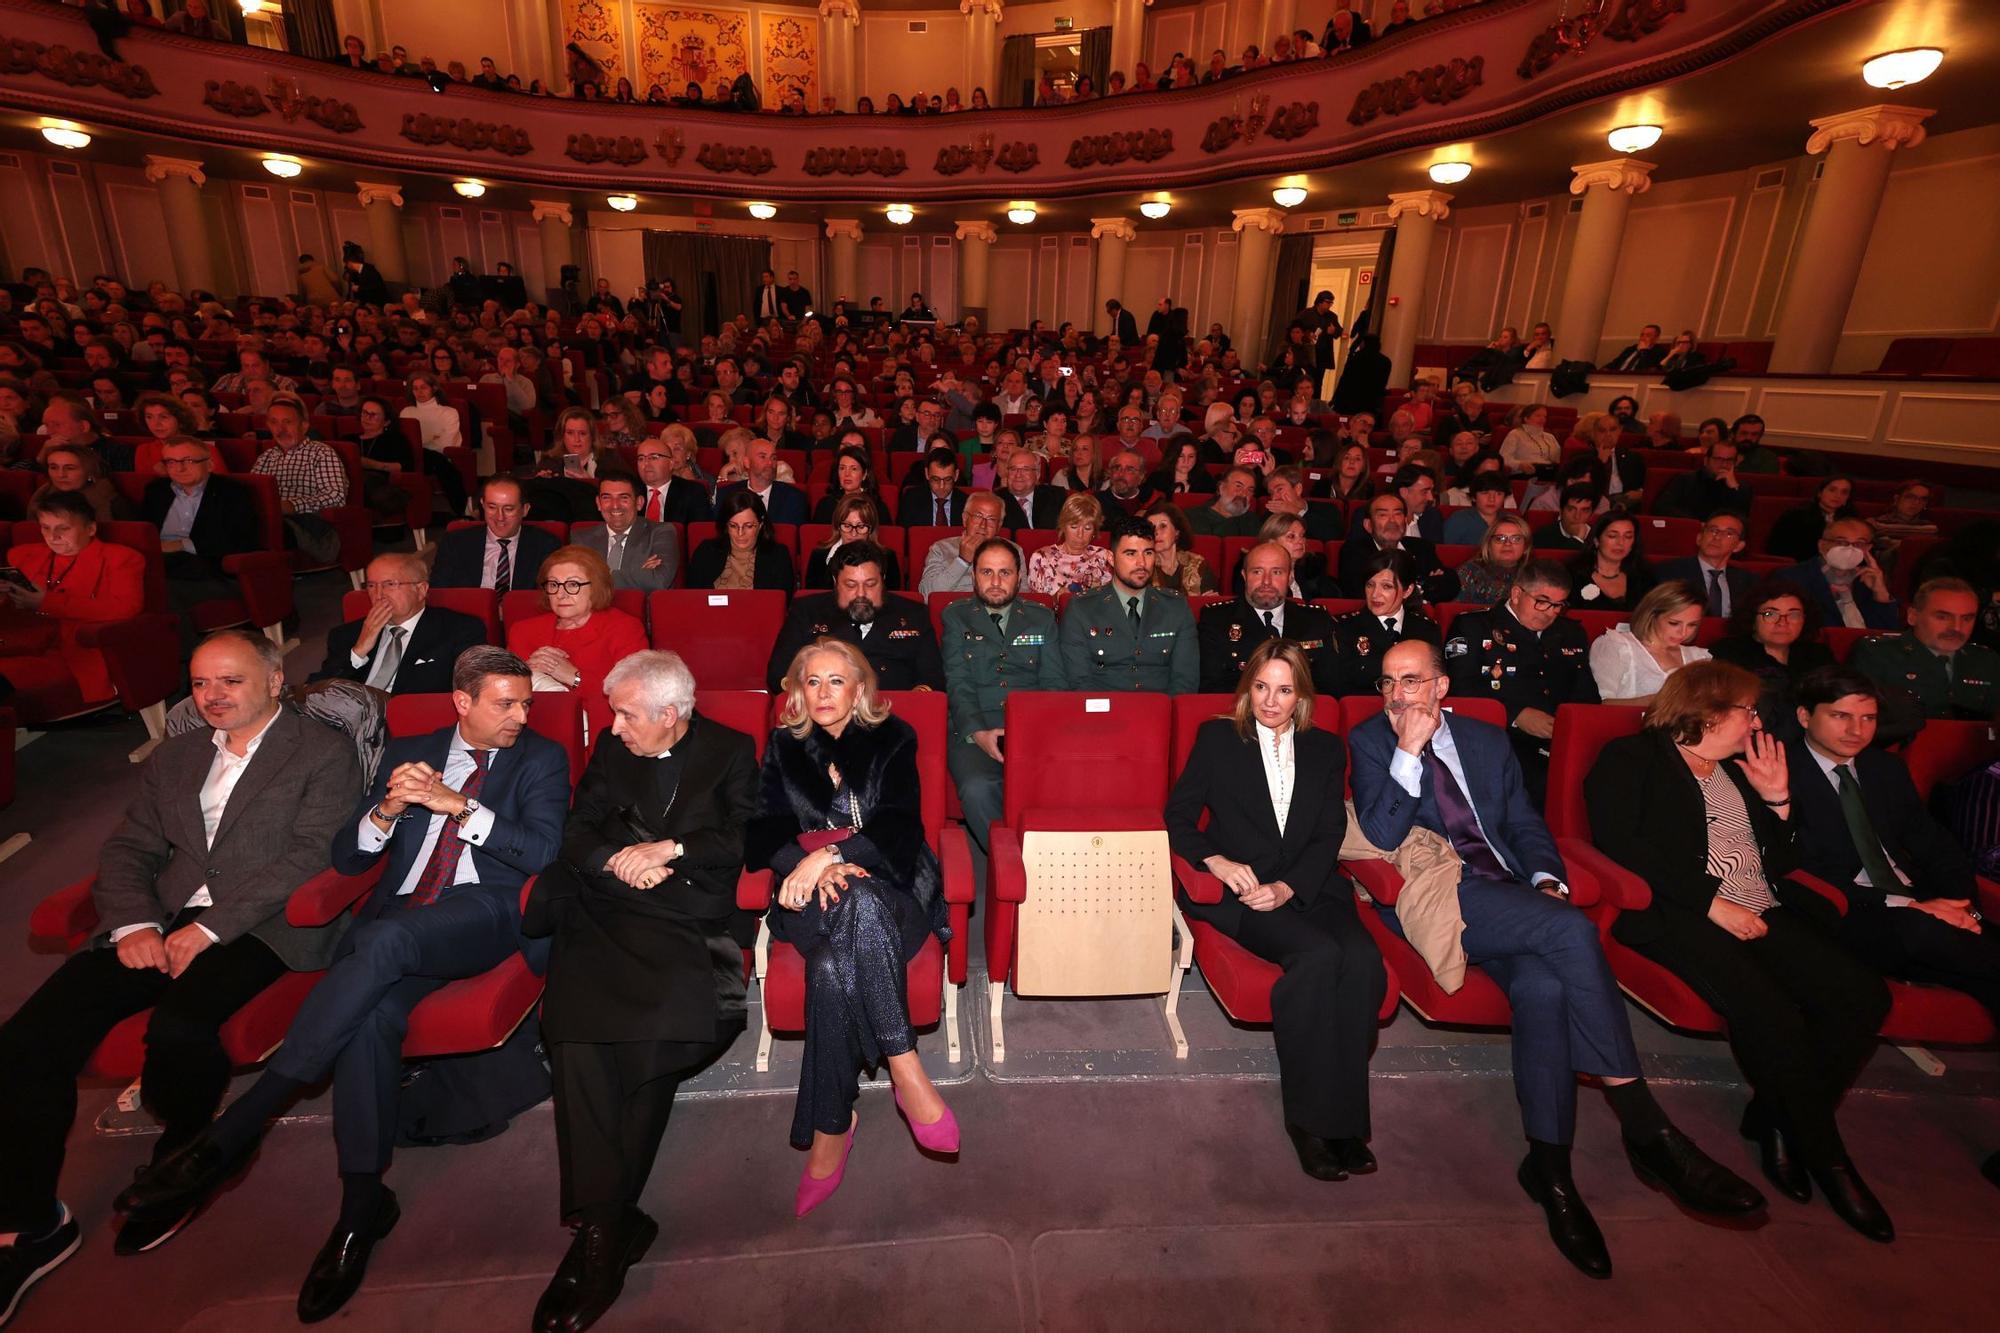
653, 507
441, 871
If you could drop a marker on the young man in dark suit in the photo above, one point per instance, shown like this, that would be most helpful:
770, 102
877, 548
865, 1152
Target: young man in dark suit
1231, 631
457, 820
503, 553
938, 503
190, 898
783, 502
1912, 901
646, 983
403, 645
1415, 764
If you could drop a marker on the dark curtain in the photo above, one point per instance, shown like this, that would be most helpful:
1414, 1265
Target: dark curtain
1378, 291
716, 275
1017, 72
311, 30
1288, 292
1096, 57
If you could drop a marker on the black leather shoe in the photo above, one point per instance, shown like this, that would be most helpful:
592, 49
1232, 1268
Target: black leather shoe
1781, 1164
181, 1181
1990, 1168
1353, 1156
591, 1276
149, 1228
1317, 1156
1849, 1197
1670, 1161
342, 1262
1571, 1226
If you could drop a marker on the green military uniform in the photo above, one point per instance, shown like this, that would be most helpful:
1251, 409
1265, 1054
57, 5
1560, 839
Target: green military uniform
1101, 651
983, 664
1968, 689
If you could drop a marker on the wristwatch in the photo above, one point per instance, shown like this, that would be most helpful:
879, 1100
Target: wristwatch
471, 809
1557, 887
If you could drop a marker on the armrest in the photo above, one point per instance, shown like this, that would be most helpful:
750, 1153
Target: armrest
67, 917
1822, 888
265, 580
1989, 898
1198, 884
1615, 886
957, 861
1006, 876
753, 890
143, 654
1382, 880
326, 895
527, 887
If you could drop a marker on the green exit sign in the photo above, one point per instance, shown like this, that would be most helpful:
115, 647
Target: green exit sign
1346, 219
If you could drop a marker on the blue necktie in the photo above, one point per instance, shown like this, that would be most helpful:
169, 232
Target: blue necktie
1459, 823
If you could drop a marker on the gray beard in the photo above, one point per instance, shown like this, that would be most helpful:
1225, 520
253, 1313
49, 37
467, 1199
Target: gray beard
861, 611
1232, 508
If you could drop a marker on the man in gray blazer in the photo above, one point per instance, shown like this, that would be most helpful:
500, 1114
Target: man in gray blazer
190, 897
642, 554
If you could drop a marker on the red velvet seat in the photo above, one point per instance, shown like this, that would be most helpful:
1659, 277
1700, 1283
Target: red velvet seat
1945, 751
724, 637
482, 604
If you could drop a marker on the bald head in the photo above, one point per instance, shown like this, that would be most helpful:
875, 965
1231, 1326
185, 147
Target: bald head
1267, 576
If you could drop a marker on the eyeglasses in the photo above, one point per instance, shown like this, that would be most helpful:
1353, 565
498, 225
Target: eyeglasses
1860, 545
570, 586
1720, 530
1772, 613
855, 527
1509, 539
652, 458
1543, 604
388, 585
183, 462
1393, 684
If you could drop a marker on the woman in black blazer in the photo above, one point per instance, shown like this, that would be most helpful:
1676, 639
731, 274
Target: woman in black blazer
1273, 839
1796, 534
1773, 633
743, 541
1711, 834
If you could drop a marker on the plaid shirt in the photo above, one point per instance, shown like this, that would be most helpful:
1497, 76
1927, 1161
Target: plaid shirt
311, 476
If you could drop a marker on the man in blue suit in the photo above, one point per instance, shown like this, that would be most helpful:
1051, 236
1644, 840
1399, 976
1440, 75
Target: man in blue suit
1416, 765
459, 819
1844, 581
783, 502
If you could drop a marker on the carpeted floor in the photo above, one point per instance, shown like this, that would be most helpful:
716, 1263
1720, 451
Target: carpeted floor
1103, 1185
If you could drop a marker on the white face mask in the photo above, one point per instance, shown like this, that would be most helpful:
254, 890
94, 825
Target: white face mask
1845, 558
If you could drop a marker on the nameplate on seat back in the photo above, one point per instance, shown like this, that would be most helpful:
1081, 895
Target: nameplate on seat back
1098, 916
1096, 705
718, 599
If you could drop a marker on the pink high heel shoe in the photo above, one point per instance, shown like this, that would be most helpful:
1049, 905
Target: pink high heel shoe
813, 1190
939, 1136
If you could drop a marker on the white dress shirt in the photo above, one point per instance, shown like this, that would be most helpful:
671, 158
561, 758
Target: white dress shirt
1721, 585
489, 563
1831, 767
1408, 771
614, 546
224, 771
458, 767
1280, 768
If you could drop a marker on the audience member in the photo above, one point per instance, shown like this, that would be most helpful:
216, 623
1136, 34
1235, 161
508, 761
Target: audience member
1073, 563
1611, 573
1632, 661
503, 552
1705, 490
403, 645
746, 555
1264, 608
641, 554
1796, 534
63, 585
1128, 634
1951, 676
1773, 633
948, 564
1384, 527
1721, 584
782, 501
855, 519
1233, 513
1843, 582
310, 477
1390, 614
893, 633
580, 635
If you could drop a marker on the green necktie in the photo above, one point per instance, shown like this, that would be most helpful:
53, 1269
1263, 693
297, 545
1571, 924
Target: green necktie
1132, 614
1881, 875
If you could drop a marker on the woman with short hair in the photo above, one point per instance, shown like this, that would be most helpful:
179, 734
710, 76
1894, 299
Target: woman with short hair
1074, 563
580, 635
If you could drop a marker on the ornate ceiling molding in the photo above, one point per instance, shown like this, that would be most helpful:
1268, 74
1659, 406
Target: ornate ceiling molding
1271, 220
1432, 204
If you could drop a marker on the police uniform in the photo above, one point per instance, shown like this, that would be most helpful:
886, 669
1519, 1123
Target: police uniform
1230, 631
983, 664
900, 643
1491, 655
1437, 583
1360, 640
1101, 652
1969, 690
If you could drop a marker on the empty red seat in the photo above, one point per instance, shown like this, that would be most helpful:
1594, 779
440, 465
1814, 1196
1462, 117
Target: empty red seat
724, 637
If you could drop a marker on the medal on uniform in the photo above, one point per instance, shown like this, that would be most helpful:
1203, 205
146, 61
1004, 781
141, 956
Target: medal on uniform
1361, 646
1235, 632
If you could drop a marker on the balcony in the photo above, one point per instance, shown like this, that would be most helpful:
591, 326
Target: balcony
1467, 74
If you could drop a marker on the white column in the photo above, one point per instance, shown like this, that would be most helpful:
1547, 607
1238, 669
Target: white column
1128, 35
1251, 305
552, 219
1827, 262
1416, 215
843, 237
841, 23
982, 48
383, 205
1607, 189
1112, 236
975, 248
180, 180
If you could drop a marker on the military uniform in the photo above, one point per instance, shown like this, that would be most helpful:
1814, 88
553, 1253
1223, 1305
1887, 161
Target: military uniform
983, 664
1437, 583
1230, 631
1101, 652
900, 643
1491, 655
1360, 640
1970, 690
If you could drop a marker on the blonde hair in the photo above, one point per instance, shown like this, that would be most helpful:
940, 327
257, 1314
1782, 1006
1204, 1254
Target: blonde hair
1661, 602
870, 708
1080, 506
1283, 650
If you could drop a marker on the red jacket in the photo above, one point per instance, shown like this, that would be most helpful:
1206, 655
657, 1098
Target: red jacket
107, 582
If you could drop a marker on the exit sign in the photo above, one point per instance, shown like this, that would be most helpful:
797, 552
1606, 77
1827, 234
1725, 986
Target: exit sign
1346, 219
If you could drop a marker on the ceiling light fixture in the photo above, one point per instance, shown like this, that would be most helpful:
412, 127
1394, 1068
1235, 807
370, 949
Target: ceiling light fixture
763, 212
900, 214
624, 203
1288, 196
1633, 138
284, 168
1156, 208
469, 189
1450, 173
66, 134
1021, 213
249, 6
1900, 69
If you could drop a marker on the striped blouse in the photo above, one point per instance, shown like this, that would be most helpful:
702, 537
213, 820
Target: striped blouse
1732, 845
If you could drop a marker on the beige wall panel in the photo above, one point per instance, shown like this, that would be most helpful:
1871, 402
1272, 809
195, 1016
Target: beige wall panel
1048, 279
528, 245
75, 198
878, 270
620, 256
1190, 287
895, 60
1149, 273
1666, 270
1173, 30
138, 231
1472, 293
271, 269
492, 243
1009, 271
1748, 264
1221, 289
1933, 263
941, 279
1078, 281
1531, 241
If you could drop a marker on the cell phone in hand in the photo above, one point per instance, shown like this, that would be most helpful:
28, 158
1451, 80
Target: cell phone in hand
14, 578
